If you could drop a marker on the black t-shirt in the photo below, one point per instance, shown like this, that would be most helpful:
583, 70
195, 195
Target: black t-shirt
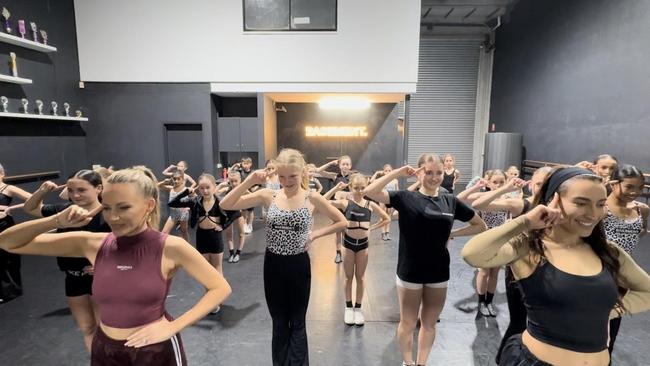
96, 225
424, 227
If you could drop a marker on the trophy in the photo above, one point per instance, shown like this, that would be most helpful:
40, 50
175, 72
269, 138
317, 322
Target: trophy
54, 106
6, 14
21, 28
78, 114
39, 106
34, 31
66, 107
4, 102
25, 102
14, 66
44, 36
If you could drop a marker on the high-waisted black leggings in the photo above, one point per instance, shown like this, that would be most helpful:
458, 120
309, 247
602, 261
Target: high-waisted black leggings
287, 283
516, 308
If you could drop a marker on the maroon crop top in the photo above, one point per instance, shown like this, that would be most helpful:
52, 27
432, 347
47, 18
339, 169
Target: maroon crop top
128, 284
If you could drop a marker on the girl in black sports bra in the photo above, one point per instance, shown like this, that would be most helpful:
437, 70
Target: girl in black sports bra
358, 212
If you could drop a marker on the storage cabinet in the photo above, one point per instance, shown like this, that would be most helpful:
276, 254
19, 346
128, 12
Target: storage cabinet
238, 134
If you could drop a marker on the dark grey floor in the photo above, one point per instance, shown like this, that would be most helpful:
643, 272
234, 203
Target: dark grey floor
37, 328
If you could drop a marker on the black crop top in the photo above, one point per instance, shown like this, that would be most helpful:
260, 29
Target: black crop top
358, 214
567, 310
4, 199
197, 211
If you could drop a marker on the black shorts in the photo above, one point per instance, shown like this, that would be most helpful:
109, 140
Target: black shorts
107, 351
355, 245
77, 284
209, 241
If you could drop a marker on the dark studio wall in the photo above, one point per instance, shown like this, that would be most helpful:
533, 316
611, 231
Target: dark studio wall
129, 122
368, 154
572, 77
32, 145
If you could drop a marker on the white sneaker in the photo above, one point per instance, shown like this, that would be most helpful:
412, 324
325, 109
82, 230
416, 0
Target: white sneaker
235, 259
230, 259
359, 320
348, 317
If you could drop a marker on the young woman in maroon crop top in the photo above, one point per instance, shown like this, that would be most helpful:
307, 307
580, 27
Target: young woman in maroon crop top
134, 328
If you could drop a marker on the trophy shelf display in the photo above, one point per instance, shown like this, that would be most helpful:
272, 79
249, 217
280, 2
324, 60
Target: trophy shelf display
14, 79
26, 43
41, 116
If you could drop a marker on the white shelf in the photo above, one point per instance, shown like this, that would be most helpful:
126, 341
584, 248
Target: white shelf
14, 79
42, 116
24, 42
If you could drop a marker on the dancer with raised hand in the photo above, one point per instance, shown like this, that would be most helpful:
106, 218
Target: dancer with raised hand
391, 186
344, 164
425, 221
181, 166
83, 189
626, 220
287, 269
207, 217
358, 211
9, 262
452, 175
178, 216
314, 183
569, 273
493, 201
133, 270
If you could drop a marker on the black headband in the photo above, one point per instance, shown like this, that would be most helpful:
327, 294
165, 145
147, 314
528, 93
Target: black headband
561, 176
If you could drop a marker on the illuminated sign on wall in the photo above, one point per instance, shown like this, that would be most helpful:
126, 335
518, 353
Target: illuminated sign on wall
336, 131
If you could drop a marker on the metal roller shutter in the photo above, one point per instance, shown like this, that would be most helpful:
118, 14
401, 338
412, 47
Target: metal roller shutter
441, 114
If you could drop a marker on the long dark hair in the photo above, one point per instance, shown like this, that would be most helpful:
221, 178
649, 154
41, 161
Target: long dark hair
597, 240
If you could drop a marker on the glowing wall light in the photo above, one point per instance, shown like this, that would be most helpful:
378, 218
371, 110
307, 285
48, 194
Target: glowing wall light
344, 103
336, 131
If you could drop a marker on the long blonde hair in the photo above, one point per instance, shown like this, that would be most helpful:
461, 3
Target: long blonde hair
294, 158
146, 182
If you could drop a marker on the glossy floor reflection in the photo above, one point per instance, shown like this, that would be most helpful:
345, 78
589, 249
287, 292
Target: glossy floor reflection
37, 329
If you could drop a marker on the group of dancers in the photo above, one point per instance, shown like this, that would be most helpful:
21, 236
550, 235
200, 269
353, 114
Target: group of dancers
565, 248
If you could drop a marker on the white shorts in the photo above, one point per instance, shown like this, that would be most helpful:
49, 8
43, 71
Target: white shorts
418, 286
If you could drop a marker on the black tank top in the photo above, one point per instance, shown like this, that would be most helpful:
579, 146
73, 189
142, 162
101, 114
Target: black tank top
4, 199
358, 214
448, 181
569, 311
344, 179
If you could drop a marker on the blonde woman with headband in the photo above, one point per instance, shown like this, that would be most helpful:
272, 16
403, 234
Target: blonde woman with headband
133, 268
287, 269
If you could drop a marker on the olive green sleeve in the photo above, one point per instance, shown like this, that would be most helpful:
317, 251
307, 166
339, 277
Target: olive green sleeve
497, 247
636, 281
